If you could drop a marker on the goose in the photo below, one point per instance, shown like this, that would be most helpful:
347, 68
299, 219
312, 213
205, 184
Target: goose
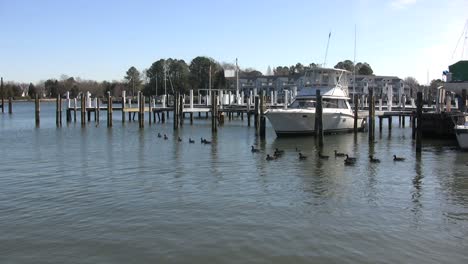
339, 154
373, 160
301, 156
349, 162
159, 135
191, 141
322, 156
253, 149
165, 137
206, 141
268, 157
179, 139
395, 158
202, 140
350, 158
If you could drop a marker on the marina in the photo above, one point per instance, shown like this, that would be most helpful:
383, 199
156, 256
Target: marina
126, 188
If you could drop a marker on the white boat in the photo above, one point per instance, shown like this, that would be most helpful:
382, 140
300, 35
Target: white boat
461, 131
299, 117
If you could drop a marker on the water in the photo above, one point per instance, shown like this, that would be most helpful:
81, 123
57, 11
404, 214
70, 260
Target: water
123, 195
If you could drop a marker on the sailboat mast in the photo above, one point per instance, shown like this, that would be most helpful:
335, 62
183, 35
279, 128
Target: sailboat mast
326, 51
354, 68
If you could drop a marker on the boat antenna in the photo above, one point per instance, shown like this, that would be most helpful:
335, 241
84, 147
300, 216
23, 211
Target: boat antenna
354, 67
326, 51
465, 33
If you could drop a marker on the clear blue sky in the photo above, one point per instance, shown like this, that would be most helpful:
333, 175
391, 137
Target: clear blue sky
101, 39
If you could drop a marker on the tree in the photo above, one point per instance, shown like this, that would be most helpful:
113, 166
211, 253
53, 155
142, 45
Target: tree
364, 69
199, 72
413, 85
345, 65
32, 90
133, 79
281, 71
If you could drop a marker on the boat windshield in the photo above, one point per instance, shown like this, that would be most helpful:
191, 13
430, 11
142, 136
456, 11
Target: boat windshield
302, 104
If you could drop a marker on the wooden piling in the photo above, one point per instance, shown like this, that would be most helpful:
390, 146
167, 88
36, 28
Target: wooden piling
109, 110
403, 121
463, 101
124, 93
389, 123
98, 109
141, 110
413, 125
262, 116
214, 126
2, 90
356, 98
256, 112
37, 108
181, 110
83, 109
10, 105
419, 106
150, 109
176, 111
371, 115
318, 118
191, 118
380, 123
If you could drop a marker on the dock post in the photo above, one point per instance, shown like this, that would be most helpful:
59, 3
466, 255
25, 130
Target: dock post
181, 109
175, 112
83, 109
318, 119
37, 110
403, 121
214, 113
3, 94
463, 101
75, 105
286, 96
356, 113
390, 123
419, 122
256, 111
10, 105
262, 116
109, 109
371, 115
150, 109
68, 117
98, 109
60, 111
380, 123
413, 125
191, 118
124, 95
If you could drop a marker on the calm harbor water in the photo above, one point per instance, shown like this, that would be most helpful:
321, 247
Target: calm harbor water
123, 195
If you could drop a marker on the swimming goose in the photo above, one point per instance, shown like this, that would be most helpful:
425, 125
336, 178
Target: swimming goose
191, 141
349, 158
179, 139
395, 158
339, 154
165, 137
159, 135
253, 149
302, 157
268, 157
373, 160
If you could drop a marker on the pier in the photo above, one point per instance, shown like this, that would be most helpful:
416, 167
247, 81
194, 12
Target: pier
222, 106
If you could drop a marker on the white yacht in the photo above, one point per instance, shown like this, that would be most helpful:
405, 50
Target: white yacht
299, 116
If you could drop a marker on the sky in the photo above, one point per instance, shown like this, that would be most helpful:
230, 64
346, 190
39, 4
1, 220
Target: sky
101, 40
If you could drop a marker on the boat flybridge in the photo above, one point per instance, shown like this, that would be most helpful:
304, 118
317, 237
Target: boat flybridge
299, 117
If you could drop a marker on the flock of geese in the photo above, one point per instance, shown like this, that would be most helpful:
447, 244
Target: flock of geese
278, 153
191, 141
347, 161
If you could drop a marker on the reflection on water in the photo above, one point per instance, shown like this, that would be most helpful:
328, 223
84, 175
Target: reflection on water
121, 194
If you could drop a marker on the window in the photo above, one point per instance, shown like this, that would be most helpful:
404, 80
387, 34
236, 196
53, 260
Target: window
302, 104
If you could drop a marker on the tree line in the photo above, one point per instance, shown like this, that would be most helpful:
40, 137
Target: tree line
163, 76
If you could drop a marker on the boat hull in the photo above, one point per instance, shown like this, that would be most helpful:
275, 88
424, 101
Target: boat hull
462, 136
302, 122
